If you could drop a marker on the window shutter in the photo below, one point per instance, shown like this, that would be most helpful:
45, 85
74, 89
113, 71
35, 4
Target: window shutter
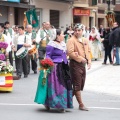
94, 2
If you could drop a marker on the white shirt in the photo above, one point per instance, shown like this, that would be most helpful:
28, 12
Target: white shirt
20, 40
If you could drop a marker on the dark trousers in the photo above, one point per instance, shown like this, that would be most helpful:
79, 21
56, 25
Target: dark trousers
108, 50
22, 65
11, 58
33, 60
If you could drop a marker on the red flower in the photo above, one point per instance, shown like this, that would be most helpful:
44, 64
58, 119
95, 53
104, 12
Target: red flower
46, 63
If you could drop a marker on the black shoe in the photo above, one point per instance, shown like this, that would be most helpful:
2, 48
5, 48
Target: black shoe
103, 63
35, 72
111, 63
25, 76
16, 77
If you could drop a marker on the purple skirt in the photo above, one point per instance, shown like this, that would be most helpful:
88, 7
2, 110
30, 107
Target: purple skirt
59, 92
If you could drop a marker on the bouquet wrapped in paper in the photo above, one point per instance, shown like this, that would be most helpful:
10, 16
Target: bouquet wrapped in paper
46, 66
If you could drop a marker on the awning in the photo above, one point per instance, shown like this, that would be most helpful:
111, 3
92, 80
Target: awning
14, 4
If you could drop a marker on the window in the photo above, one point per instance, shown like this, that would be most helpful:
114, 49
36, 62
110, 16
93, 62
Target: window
99, 1
94, 2
104, 1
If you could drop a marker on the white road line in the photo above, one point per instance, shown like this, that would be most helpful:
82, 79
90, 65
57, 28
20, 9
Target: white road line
12, 104
104, 108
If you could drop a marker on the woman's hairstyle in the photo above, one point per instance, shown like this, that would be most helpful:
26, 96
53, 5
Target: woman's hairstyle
58, 32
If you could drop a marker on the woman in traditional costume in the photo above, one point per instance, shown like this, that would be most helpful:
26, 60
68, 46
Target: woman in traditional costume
58, 88
95, 43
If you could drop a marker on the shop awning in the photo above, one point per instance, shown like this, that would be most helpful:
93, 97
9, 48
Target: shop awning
14, 4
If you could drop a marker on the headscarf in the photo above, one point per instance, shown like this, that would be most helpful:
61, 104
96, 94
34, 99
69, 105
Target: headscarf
96, 32
80, 26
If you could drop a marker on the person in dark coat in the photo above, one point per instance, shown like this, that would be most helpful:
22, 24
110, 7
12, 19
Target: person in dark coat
102, 31
115, 41
108, 48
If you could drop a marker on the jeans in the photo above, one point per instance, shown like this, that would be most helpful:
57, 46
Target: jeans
117, 55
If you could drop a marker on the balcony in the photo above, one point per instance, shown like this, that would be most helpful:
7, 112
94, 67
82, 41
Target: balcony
104, 5
81, 3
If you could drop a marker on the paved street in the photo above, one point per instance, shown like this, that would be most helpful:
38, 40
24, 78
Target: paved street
101, 95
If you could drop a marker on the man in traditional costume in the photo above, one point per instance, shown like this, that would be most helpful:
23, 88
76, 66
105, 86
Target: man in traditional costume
43, 37
20, 41
79, 53
33, 57
9, 32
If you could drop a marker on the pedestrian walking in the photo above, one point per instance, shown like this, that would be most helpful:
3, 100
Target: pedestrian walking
59, 87
79, 54
107, 47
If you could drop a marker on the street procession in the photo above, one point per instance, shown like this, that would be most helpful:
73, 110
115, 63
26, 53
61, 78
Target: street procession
58, 57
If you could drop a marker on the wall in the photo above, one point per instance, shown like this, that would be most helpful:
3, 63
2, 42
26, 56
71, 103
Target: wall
11, 15
64, 8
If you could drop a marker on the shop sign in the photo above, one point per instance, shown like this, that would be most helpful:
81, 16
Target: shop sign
78, 12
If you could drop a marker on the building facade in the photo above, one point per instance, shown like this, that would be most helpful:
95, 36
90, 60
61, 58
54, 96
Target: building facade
91, 12
117, 11
13, 11
57, 12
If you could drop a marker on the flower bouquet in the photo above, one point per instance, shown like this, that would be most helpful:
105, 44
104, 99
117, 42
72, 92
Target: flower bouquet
2, 57
3, 46
46, 66
5, 68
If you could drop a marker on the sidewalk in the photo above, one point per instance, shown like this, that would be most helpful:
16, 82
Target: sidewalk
103, 78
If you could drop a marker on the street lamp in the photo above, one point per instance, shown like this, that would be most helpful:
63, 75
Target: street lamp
108, 2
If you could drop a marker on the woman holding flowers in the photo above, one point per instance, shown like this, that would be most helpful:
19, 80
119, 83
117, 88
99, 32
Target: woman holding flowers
59, 88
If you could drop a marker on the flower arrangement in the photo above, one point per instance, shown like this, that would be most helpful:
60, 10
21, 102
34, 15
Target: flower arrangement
3, 45
2, 57
46, 65
5, 68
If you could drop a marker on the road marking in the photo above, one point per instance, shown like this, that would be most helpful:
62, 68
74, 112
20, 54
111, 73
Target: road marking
104, 108
12, 104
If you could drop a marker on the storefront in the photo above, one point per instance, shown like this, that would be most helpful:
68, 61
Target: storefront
13, 11
84, 15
